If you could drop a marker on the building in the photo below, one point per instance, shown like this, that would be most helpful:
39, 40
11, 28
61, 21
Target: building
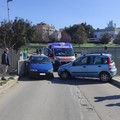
45, 30
57, 35
111, 29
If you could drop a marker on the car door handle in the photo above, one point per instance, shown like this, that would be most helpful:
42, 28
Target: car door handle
99, 65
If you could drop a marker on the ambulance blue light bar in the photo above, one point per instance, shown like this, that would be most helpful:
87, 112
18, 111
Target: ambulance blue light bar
61, 44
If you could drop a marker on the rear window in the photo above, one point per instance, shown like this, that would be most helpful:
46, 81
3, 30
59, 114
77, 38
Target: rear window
103, 60
100, 60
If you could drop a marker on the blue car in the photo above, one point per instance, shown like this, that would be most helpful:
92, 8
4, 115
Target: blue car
40, 66
100, 65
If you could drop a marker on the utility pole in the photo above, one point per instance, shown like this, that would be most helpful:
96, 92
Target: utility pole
8, 9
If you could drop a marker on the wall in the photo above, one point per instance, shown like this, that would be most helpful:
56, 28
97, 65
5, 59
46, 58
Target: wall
14, 57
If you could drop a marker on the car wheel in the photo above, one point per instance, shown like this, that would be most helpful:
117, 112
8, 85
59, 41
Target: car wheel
104, 77
64, 75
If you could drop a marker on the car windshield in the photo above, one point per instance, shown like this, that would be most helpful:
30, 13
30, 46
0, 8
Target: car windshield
39, 60
63, 52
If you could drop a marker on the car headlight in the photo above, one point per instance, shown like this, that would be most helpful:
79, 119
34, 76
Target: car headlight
33, 70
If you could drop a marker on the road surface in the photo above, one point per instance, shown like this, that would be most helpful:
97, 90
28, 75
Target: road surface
60, 100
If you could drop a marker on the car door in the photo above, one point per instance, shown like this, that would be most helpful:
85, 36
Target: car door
78, 67
97, 65
89, 69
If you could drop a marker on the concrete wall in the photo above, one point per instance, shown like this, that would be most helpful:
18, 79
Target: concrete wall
21, 68
14, 57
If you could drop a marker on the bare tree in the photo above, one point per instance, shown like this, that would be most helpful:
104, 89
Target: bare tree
65, 37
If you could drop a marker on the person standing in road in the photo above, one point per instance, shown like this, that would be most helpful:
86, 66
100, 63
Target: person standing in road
5, 63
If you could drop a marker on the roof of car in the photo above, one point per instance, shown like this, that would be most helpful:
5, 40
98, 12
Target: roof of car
38, 55
97, 54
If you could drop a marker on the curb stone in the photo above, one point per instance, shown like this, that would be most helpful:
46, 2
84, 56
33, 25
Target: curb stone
116, 81
8, 84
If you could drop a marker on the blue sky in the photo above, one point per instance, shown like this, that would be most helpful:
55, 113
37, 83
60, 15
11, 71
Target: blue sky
63, 13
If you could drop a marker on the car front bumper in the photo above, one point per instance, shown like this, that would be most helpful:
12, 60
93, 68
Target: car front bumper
36, 74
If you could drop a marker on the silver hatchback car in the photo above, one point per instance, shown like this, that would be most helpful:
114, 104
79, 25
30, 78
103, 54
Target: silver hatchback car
99, 65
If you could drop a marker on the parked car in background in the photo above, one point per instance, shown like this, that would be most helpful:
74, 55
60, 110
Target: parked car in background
99, 65
40, 66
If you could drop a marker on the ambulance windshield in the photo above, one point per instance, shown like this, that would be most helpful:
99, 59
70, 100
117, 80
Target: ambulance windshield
63, 52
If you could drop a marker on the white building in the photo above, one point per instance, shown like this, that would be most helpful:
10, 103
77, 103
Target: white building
57, 35
45, 28
111, 29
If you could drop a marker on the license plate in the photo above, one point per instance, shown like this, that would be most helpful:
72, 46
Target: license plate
42, 73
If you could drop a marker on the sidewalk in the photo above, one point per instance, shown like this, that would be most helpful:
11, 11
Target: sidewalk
6, 84
116, 81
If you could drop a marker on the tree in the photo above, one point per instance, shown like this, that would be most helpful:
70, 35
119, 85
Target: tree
105, 39
88, 29
111, 25
80, 35
71, 31
15, 34
65, 37
52, 38
38, 35
5, 36
117, 39
23, 32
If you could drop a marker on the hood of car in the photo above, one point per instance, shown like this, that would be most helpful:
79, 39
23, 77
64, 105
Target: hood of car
66, 65
41, 67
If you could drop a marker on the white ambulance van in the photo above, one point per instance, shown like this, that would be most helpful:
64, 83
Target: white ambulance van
60, 53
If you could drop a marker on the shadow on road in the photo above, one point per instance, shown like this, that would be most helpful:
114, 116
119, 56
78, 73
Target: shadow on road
115, 83
76, 81
27, 79
114, 97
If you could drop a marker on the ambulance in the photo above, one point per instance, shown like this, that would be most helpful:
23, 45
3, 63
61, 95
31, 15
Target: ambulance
60, 53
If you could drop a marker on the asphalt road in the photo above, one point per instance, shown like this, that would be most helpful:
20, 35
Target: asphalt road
60, 100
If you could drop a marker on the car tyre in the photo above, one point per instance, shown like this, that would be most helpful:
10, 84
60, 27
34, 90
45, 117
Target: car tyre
104, 77
65, 75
